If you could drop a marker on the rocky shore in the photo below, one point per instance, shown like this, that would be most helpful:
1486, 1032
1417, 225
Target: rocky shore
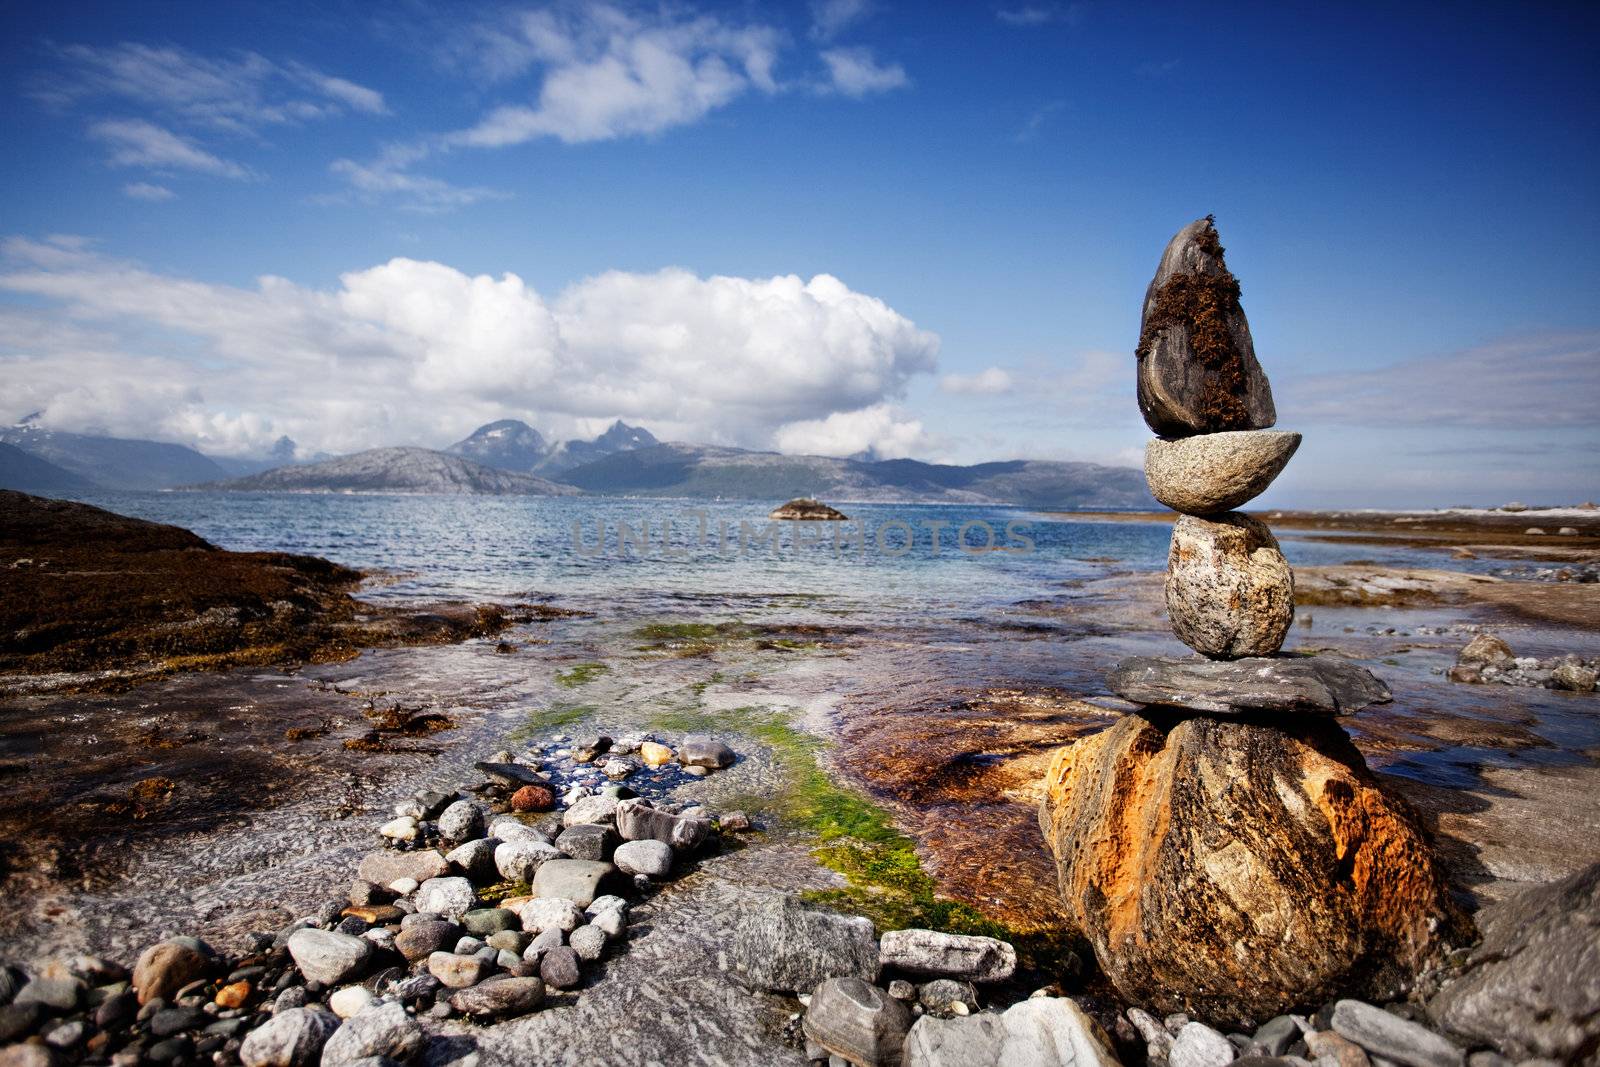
92, 600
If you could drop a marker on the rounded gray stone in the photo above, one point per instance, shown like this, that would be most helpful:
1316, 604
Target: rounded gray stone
650, 858
1230, 592
1216, 472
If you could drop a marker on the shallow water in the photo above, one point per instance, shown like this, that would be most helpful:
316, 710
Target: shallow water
945, 679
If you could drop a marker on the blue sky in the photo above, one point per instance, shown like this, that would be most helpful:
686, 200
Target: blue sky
921, 229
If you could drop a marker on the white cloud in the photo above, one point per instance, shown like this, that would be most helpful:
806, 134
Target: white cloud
855, 72
607, 73
988, 382
238, 94
876, 431
830, 17
412, 351
415, 191
137, 143
1041, 14
148, 191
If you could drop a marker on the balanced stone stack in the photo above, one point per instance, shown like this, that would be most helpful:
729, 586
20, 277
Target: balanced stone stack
1225, 850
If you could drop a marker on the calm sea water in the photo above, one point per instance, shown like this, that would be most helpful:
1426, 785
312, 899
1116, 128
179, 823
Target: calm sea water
517, 547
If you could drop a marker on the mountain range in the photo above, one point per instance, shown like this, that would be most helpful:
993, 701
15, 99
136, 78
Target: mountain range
511, 457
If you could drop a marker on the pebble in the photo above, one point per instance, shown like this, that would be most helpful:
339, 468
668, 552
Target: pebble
292, 1038
520, 860
384, 1029
702, 750
509, 996
559, 968
650, 858
419, 940
588, 941
587, 841
163, 969
552, 913
1197, 1045
450, 897
403, 828
456, 972
1393, 1038
328, 957
461, 821
350, 1000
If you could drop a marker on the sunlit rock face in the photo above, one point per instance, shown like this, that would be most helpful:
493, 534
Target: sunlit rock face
1235, 870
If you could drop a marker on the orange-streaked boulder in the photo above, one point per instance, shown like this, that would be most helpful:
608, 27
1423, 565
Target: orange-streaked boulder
1236, 871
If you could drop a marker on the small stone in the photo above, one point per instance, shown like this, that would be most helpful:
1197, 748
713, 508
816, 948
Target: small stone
543, 942
1313, 685
1216, 472
509, 828
617, 768
930, 952
1393, 1038
858, 1021
1277, 1034
291, 1038
703, 750
585, 749
611, 923
945, 997
599, 810
533, 798
650, 858
1574, 678
401, 829
588, 941
486, 921
163, 969
56, 994
575, 880
171, 1021
508, 774
467, 946
587, 841
330, 958
697, 772
350, 1000
1197, 1045
733, 822
386, 867
419, 940
559, 968
1229, 591
233, 995
118, 1010
450, 897
638, 820
508, 996
18, 1020
382, 1030
457, 972
375, 914
1328, 1048
461, 821
782, 944
475, 859
654, 754
1487, 650
551, 913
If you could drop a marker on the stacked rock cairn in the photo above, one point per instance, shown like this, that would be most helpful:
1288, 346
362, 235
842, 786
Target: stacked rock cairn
1224, 848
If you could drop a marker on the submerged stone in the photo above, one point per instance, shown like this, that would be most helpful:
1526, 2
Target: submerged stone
1197, 363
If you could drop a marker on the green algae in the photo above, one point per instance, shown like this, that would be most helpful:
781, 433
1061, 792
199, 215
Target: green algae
555, 716
580, 674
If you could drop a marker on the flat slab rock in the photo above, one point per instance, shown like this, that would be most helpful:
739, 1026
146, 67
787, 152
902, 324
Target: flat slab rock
1316, 685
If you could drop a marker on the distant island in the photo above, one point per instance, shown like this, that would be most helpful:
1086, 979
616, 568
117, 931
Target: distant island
509, 457
803, 509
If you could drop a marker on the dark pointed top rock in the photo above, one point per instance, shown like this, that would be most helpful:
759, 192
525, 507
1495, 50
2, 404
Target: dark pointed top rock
1197, 364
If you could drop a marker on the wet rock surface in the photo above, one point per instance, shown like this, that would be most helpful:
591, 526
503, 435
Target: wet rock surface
1318, 685
1234, 870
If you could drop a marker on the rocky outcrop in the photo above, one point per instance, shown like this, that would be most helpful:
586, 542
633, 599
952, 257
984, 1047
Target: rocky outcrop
804, 509
1532, 987
1230, 592
1233, 870
1197, 363
1216, 472
1316, 685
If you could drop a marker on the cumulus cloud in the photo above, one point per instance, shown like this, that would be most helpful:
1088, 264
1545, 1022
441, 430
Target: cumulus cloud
876, 432
607, 73
856, 72
137, 143
988, 382
412, 351
148, 191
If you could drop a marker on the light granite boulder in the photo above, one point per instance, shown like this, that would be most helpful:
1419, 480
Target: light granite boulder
1216, 472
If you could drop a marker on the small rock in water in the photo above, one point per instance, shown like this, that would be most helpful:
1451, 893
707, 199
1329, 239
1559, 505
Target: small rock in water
486, 921
703, 750
386, 867
733, 822
1486, 650
638, 820
618, 767
655, 754
401, 829
930, 952
650, 858
857, 1021
57, 994
533, 798
598, 810
291, 1038
1574, 678
585, 749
